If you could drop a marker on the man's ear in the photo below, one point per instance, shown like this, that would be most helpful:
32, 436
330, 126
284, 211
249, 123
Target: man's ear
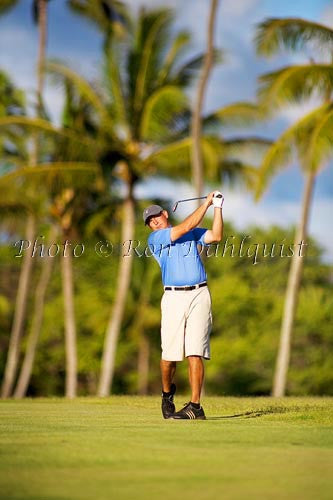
165, 213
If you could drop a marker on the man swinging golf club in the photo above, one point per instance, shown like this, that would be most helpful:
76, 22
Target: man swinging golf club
186, 303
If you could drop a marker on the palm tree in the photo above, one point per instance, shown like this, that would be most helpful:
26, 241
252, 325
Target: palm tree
40, 16
197, 167
37, 319
12, 103
311, 139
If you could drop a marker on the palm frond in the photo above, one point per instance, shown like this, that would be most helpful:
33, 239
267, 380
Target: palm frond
159, 113
31, 125
175, 157
239, 147
319, 148
116, 87
237, 171
234, 115
110, 16
60, 71
211, 154
185, 74
6, 5
12, 99
297, 140
291, 33
52, 175
152, 39
180, 42
294, 83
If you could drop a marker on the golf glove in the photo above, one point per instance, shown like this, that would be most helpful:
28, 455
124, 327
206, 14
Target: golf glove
218, 199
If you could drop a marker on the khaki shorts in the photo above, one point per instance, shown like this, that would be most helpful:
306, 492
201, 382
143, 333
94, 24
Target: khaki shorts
186, 324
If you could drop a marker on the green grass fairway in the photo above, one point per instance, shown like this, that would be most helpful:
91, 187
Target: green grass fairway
121, 448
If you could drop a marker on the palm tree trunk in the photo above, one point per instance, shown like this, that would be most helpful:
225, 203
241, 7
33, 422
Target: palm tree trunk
25, 374
70, 327
139, 330
19, 314
117, 313
290, 305
143, 364
42, 27
197, 164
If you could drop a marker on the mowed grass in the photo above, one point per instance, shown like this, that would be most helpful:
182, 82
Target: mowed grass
121, 448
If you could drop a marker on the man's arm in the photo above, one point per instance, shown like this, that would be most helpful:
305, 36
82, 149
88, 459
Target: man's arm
215, 234
192, 220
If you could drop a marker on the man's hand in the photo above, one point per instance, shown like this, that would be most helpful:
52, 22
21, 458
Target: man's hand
217, 199
209, 199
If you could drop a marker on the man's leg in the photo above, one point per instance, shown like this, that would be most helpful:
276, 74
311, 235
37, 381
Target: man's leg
193, 409
168, 369
196, 376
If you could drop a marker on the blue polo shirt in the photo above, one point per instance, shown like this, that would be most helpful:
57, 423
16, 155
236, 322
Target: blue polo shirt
179, 260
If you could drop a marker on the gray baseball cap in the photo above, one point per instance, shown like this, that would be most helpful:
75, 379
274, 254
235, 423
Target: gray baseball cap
150, 211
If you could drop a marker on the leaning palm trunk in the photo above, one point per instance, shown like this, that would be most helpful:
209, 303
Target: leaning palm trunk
70, 328
197, 163
290, 305
123, 282
19, 314
25, 374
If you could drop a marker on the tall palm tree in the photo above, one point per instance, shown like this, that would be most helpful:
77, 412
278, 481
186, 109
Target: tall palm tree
311, 139
39, 8
197, 166
40, 17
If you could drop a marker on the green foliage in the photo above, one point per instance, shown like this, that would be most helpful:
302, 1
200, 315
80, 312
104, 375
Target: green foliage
311, 137
292, 33
155, 121
247, 294
296, 83
136, 123
110, 16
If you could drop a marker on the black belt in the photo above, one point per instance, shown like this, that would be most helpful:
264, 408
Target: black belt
185, 288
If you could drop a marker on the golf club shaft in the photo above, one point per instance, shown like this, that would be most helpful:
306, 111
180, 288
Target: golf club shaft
192, 199
187, 199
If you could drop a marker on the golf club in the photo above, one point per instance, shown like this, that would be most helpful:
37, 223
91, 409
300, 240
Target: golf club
174, 208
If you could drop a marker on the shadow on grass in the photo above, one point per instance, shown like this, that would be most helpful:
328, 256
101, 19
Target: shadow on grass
258, 413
